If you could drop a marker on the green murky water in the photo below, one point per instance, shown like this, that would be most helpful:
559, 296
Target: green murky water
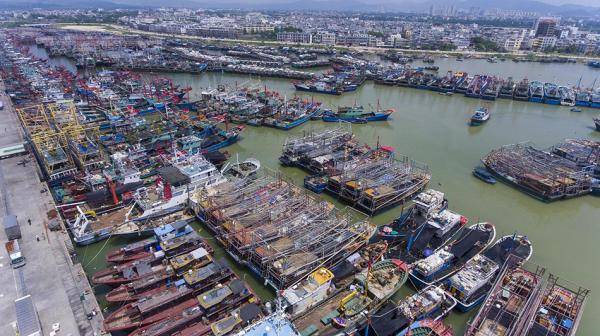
433, 129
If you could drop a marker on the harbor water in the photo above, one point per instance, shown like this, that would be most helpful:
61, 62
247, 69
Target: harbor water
433, 129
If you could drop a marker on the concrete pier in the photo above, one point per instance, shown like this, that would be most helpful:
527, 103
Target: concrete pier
59, 288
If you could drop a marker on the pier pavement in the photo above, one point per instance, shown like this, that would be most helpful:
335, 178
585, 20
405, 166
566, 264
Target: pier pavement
60, 290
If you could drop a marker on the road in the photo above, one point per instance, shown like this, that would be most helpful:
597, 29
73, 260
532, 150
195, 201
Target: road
56, 285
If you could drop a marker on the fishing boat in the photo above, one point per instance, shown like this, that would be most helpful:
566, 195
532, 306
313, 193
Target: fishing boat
558, 309
343, 309
575, 109
316, 183
276, 324
384, 278
241, 170
522, 91
483, 174
551, 94
174, 301
196, 258
136, 290
472, 283
131, 271
596, 187
421, 241
507, 89
427, 327
238, 318
378, 284
536, 92
491, 89
595, 99
582, 98
512, 294
134, 251
444, 262
318, 87
309, 292
567, 96
426, 203
481, 115
357, 114
393, 318
147, 226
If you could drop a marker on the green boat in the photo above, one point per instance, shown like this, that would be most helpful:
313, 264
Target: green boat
382, 281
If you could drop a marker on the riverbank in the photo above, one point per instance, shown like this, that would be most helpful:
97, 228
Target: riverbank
119, 29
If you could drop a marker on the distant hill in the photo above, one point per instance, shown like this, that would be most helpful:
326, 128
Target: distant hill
339, 5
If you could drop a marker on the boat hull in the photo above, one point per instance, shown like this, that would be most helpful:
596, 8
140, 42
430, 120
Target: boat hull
536, 99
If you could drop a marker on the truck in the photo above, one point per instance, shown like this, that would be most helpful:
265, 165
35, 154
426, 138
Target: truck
14, 252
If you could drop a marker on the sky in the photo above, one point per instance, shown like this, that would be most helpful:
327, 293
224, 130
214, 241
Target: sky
595, 3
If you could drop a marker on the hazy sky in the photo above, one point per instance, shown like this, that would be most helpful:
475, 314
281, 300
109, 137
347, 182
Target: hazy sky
595, 3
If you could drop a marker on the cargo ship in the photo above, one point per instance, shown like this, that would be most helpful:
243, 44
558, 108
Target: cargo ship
470, 285
446, 261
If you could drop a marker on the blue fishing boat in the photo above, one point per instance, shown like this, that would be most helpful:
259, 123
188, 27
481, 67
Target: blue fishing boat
357, 114
426, 203
551, 94
536, 92
595, 99
596, 186
582, 98
316, 183
447, 260
483, 174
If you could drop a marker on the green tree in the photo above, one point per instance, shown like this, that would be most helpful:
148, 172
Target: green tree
482, 44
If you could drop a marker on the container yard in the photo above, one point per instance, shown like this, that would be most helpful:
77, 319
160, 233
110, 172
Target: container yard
146, 174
